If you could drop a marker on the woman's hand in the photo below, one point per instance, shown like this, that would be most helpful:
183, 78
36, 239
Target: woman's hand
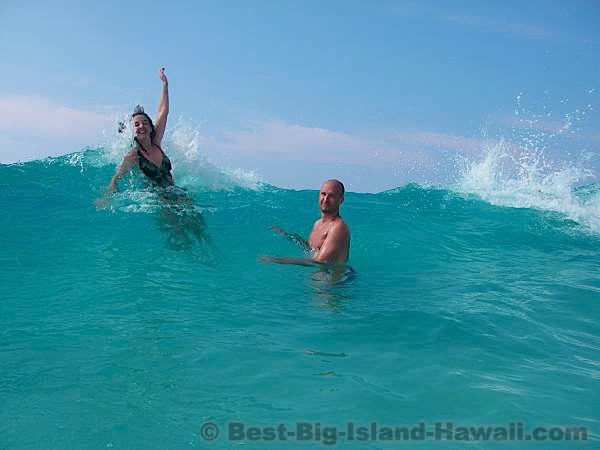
162, 76
102, 202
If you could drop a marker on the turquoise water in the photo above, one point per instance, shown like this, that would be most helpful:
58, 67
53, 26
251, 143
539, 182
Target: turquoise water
476, 303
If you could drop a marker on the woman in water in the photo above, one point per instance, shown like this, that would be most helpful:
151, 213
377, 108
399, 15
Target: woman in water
147, 153
183, 223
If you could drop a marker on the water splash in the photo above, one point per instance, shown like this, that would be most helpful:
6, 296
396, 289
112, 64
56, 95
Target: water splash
187, 150
534, 167
506, 175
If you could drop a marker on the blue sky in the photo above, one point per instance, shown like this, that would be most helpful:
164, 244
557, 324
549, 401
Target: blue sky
376, 93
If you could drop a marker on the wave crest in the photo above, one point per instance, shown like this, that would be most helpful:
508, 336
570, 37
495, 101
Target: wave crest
509, 176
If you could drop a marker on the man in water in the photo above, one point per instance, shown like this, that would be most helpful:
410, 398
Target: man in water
329, 240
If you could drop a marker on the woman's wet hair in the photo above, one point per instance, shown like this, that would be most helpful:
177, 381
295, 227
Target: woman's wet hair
139, 111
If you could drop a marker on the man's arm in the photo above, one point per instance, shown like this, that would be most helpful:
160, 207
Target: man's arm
290, 260
335, 245
293, 237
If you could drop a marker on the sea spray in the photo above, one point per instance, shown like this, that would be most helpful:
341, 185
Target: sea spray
193, 168
530, 169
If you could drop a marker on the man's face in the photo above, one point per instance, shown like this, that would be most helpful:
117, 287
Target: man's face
330, 197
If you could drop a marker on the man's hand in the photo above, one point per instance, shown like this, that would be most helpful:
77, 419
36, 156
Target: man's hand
277, 229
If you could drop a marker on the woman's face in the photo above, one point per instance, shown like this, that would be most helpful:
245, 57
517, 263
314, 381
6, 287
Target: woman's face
141, 126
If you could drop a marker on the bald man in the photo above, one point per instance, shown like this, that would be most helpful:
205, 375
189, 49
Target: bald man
329, 240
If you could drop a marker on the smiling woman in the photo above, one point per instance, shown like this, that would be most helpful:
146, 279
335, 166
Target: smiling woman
147, 152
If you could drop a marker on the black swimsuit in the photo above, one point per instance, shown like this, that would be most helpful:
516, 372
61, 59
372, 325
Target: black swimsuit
159, 175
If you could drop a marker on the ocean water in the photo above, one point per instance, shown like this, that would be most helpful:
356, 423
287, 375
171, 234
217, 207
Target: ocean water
136, 325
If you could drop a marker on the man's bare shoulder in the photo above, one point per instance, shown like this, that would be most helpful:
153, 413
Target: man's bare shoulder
341, 226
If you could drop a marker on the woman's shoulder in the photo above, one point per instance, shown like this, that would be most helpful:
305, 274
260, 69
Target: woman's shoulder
132, 153
157, 142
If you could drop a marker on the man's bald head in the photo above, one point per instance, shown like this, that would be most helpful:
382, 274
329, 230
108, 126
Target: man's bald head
339, 184
331, 196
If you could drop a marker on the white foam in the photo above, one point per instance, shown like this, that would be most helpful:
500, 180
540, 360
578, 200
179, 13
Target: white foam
192, 168
507, 175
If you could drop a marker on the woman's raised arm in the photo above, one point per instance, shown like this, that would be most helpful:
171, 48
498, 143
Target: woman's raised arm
163, 109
